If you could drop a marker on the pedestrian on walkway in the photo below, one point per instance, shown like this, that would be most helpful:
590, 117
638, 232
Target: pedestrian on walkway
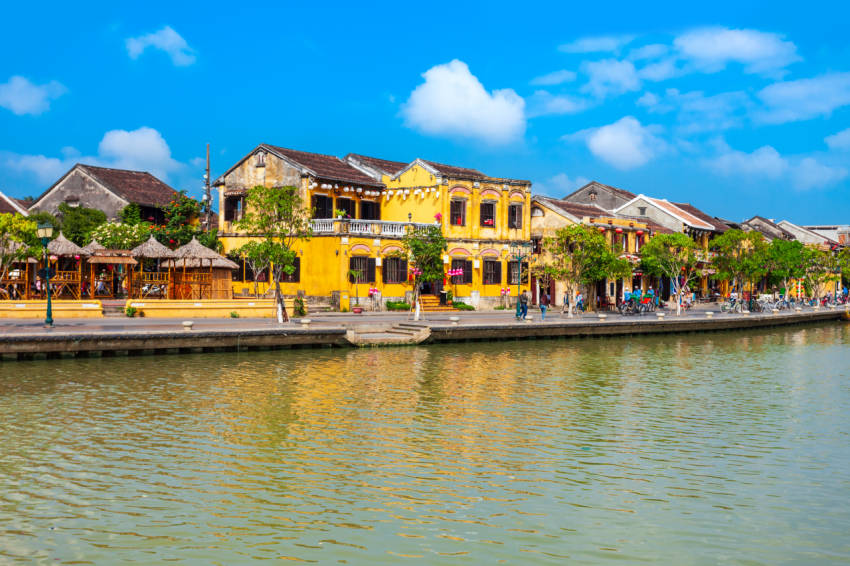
566, 305
544, 304
523, 304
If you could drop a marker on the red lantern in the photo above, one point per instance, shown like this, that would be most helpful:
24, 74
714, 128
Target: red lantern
640, 232
619, 230
601, 229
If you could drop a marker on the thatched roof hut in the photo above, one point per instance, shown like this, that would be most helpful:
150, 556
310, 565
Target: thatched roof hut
152, 250
218, 263
194, 250
94, 245
63, 247
115, 257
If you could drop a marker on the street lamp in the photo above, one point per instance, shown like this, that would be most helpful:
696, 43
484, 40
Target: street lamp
45, 232
519, 251
410, 217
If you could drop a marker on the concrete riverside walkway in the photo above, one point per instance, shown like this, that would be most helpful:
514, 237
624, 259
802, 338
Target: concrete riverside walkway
364, 322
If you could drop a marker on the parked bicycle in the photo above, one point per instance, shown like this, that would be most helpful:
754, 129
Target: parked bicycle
733, 306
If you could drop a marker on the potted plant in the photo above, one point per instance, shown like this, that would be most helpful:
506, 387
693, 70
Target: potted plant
354, 274
339, 213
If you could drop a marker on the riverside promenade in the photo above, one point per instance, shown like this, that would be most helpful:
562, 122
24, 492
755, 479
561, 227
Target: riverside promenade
26, 339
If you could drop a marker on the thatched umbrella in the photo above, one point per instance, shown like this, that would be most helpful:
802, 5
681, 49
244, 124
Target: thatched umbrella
201, 254
62, 246
151, 250
94, 245
218, 263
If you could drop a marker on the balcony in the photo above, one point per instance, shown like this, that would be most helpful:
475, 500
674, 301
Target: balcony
366, 227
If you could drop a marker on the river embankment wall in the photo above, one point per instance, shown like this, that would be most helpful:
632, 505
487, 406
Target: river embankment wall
54, 343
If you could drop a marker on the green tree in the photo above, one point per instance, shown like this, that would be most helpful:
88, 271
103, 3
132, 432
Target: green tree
257, 254
785, 261
579, 255
820, 267
675, 256
42, 218
278, 217
16, 233
79, 222
130, 214
742, 257
115, 236
424, 248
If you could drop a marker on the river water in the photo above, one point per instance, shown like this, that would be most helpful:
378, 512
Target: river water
700, 449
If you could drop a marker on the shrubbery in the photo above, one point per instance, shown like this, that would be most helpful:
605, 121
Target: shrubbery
397, 306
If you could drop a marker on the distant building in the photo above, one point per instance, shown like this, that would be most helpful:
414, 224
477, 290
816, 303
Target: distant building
9, 205
837, 232
766, 227
597, 194
109, 190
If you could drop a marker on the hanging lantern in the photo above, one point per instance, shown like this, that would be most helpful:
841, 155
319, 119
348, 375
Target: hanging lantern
619, 230
601, 229
390, 192
640, 232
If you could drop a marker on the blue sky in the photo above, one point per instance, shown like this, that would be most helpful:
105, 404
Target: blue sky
740, 109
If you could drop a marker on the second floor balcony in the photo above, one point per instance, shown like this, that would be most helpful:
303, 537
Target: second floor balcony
366, 227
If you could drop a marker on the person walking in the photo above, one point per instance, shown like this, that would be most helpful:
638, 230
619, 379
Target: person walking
566, 305
523, 304
544, 304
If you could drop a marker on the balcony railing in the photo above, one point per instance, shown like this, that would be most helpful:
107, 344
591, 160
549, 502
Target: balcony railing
366, 227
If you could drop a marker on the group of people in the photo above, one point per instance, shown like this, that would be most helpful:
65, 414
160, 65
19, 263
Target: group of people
545, 303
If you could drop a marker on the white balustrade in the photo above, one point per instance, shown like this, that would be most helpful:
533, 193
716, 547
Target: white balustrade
322, 226
360, 227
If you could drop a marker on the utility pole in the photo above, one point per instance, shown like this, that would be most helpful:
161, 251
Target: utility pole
207, 191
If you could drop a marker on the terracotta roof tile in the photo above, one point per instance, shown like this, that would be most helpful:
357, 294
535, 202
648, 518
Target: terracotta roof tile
694, 211
452, 171
388, 167
672, 208
7, 205
326, 166
134, 186
577, 210
651, 224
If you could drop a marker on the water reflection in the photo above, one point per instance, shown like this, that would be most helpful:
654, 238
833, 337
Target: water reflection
713, 447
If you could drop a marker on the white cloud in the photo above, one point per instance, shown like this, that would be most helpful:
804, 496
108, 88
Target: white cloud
24, 97
652, 102
453, 102
806, 173
698, 112
804, 99
660, 71
810, 174
709, 50
555, 78
625, 144
765, 161
560, 185
653, 51
166, 40
610, 77
841, 140
138, 150
542, 103
596, 44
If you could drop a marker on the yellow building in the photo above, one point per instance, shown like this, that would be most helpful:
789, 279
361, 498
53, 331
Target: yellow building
362, 209
623, 234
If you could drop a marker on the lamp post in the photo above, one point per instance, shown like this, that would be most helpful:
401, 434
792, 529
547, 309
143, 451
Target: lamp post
45, 232
519, 251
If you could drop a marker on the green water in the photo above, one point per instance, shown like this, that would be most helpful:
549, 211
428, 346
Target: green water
702, 449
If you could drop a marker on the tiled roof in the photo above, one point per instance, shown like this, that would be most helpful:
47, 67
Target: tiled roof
388, 167
452, 171
9, 205
687, 217
771, 224
623, 193
694, 211
577, 210
651, 224
133, 186
326, 166
25, 204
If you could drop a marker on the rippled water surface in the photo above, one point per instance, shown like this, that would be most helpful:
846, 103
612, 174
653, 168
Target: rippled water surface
702, 449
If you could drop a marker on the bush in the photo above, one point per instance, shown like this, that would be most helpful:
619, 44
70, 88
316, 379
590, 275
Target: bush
300, 309
130, 311
397, 306
463, 307
234, 314
500, 308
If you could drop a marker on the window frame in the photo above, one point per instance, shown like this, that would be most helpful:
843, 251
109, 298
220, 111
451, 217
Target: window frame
489, 215
495, 272
515, 211
461, 203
